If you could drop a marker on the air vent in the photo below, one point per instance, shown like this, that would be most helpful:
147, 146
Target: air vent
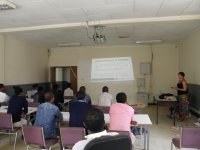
123, 36
6, 5
69, 44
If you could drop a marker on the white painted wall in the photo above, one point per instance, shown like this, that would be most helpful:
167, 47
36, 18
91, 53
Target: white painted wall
189, 57
24, 62
1, 58
165, 66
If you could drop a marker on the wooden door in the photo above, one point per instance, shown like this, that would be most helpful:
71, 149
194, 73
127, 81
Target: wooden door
74, 78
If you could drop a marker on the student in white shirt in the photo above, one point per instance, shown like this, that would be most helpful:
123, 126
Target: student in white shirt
3, 96
105, 99
31, 93
68, 92
94, 122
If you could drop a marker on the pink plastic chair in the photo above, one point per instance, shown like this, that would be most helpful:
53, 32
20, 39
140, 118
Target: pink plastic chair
34, 136
6, 127
190, 138
70, 136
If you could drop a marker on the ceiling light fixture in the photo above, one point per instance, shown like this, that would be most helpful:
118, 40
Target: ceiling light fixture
149, 42
69, 44
6, 5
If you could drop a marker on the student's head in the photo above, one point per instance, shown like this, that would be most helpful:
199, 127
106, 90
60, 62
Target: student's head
40, 89
105, 89
18, 91
2, 88
80, 95
68, 85
181, 75
49, 97
121, 97
82, 88
94, 120
35, 86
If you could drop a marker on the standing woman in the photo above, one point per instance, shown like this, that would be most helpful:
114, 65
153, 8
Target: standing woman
182, 97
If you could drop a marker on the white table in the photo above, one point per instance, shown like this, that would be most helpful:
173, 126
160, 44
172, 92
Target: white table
142, 119
31, 110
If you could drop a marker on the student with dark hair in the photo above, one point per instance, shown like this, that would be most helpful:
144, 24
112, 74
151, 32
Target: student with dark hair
121, 115
31, 93
105, 99
39, 96
94, 123
77, 110
182, 97
87, 97
18, 107
3, 96
46, 116
58, 94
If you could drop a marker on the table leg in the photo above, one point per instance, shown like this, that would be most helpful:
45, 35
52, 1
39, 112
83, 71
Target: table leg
174, 114
147, 138
157, 114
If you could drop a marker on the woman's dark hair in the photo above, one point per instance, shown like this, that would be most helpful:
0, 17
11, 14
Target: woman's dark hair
182, 74
35, 86
121, 97
40, 89
94, 120
17, 90
80, 95
82, 88
1, 86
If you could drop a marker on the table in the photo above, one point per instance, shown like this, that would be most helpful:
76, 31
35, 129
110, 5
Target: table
166, 102
142, 120
31, 110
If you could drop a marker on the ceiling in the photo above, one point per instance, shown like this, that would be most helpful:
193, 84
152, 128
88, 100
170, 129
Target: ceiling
31, 13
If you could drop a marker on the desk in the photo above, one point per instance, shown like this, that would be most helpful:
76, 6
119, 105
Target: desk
166, 102
31, 110
142, 120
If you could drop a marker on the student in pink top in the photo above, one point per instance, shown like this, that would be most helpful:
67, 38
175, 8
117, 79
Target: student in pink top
121, 115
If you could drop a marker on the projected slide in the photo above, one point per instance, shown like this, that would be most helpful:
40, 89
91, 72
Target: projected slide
112, 69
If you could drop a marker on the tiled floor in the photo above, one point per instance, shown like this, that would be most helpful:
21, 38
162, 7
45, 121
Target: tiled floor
160, 135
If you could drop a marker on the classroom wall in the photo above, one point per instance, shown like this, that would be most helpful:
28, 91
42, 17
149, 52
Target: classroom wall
24, 63
1, 58
164, 71
189, 57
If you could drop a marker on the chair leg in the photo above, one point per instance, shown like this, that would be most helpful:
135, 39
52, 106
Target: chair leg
15, 140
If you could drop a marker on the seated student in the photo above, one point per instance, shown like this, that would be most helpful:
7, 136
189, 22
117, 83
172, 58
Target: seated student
121, 115
18, 107
105, 99
58, 95
77, 110
87, 97
94, 122
68, 92
4, 98
31, 93
39, 96
46, 116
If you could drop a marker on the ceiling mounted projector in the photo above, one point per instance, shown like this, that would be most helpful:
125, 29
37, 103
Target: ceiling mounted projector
6, 5
97, 37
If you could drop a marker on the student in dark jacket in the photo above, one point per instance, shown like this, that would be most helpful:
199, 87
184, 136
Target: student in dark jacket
77, 110
18, 106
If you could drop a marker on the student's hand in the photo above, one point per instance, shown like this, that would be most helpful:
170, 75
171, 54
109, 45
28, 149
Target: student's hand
133, 122
23, 115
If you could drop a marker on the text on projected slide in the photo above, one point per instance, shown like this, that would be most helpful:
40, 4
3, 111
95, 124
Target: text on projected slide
112, 69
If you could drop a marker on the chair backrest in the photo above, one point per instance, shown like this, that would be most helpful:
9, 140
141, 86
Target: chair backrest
190, 137
33, 104
118, 142
104, 109
33, 135
71, 135
6, 121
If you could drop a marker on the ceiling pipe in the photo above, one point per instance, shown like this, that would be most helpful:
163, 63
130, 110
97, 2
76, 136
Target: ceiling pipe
107, 23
